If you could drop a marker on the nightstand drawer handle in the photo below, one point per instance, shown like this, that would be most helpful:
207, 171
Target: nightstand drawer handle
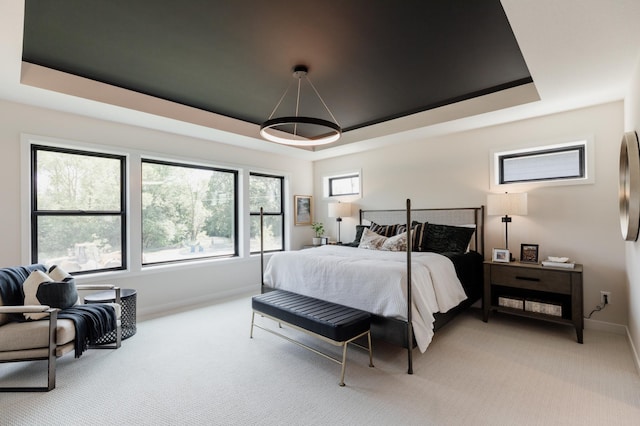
527, 278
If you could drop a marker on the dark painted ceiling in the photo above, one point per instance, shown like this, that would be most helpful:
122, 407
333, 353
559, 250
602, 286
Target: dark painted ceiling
371, 60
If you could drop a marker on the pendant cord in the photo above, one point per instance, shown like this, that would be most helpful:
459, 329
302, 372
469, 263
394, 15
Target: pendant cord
280, 101
295, 126
322, 100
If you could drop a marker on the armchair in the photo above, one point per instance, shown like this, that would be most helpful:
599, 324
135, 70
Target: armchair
44, 339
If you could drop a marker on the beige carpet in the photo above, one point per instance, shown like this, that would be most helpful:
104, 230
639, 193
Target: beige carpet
200, 367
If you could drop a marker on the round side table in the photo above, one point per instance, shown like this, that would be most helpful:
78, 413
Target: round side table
128, 298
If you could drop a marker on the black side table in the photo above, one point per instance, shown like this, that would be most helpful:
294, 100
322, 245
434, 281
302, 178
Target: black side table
128, 299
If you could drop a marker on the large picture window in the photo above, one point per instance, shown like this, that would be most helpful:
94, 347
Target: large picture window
78, 208
188, 212
266, 191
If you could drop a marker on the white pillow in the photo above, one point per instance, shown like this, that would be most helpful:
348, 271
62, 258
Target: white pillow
395, 243
30, 287
370, 240
58, 274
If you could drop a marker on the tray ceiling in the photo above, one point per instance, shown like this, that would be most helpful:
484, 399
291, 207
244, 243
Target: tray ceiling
371, 61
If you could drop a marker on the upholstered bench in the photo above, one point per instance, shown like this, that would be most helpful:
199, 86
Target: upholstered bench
330, 322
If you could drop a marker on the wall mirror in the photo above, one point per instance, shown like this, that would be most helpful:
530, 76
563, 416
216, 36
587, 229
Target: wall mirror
629, 190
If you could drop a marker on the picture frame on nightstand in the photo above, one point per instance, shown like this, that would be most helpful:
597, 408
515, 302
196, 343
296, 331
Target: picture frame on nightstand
501, 255
529, 253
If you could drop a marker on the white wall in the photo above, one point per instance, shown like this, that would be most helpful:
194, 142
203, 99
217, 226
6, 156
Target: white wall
161, 288
632, 249
579, 221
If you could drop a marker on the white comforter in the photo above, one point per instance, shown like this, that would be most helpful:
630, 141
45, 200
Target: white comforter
374, 281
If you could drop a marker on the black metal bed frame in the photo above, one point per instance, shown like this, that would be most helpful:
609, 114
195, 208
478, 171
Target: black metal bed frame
397, 331
443, 216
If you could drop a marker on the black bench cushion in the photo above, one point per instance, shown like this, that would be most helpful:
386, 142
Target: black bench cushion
336, 322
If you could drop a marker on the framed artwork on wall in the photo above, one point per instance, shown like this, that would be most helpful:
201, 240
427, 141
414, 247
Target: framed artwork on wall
303, 206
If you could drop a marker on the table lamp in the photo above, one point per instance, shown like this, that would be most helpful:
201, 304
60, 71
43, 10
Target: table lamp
339, 210
504, 205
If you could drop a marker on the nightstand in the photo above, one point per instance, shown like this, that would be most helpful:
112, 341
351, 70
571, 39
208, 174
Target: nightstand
534, 291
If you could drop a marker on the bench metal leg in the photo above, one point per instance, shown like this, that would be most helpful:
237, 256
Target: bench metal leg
344, 363
344, 344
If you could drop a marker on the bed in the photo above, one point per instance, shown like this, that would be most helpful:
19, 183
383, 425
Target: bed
446, 276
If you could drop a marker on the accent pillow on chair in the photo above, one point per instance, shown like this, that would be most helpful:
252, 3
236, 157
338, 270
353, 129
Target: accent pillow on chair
40, 289
59, 274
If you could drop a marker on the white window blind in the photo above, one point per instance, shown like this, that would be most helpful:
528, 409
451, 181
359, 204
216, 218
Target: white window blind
543, 164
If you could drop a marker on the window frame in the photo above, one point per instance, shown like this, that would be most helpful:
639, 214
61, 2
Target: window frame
585, 146
282, 212
35, 213
327, 187
236, 210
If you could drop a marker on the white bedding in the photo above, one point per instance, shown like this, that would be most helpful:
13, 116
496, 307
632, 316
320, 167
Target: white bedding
371, 280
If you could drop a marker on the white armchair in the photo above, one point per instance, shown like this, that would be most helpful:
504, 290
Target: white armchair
44, 339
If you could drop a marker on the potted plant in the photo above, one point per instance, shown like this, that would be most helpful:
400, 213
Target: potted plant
318, 228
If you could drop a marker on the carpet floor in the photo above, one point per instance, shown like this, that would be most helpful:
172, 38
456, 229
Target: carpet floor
200, 367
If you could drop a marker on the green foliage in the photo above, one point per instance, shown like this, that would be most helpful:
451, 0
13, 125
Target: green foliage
183, 207
318, 228
69, 183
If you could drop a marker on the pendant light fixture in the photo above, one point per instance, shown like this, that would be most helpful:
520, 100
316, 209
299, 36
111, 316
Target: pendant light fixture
300, 130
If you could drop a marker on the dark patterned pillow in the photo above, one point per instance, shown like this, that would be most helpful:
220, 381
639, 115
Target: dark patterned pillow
418, 234
384, 230
446, 238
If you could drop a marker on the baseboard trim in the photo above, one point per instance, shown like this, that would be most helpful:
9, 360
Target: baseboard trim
634, 352
609, 327
194, 303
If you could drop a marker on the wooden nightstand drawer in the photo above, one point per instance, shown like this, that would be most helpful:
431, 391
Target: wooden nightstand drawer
532, 279
533, 291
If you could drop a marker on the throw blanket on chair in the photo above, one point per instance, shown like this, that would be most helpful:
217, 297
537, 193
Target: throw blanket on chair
91, 321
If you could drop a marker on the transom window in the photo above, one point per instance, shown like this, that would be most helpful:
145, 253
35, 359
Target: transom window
78, 207
343, 184
552, 163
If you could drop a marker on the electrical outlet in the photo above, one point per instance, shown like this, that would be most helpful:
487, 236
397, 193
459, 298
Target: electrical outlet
602, 297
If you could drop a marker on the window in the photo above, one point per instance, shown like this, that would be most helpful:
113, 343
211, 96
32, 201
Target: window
266, 191
344, 185
552, 163
188, 212
78, 207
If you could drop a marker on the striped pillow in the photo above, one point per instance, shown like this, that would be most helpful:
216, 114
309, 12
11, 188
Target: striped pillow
418, 234
384, 230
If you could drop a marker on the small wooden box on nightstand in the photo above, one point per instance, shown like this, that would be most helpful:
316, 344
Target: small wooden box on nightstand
550, 294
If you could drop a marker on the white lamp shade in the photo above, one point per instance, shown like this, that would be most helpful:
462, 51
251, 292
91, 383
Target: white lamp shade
339, 209
507, 204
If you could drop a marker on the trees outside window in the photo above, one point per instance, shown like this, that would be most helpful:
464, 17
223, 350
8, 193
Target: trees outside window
266, 191
78, 207
79, 210
188, 212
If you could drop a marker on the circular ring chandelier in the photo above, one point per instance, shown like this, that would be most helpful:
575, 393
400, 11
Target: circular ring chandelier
285, 130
